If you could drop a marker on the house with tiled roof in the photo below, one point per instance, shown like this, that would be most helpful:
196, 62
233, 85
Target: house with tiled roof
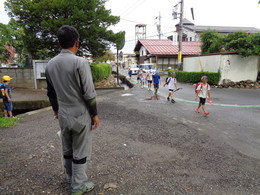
163, 53
191, 32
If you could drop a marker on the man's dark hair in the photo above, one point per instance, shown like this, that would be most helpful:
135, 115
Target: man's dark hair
67, 35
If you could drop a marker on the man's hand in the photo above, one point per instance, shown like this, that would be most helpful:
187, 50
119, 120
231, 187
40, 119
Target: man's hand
95, 122
56, 113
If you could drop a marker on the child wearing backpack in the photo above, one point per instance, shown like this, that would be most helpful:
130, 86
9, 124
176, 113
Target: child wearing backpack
2, 91
172, 85
7, 101
202, 92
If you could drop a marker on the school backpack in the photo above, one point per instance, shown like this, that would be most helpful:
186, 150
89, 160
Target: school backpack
2, 91
167, 80
198, 84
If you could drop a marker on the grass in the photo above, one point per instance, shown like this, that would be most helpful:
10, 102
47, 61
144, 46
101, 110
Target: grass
7, 122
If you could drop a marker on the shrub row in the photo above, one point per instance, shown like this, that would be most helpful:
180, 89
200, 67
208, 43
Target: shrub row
194, 77
100, 71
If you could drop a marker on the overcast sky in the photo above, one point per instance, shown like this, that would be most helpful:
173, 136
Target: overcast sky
241, 13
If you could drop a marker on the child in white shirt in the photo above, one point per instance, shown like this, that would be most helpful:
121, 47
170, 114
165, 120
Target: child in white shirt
203, 92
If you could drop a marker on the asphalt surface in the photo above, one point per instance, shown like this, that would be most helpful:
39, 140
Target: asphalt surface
143, 146
234, 117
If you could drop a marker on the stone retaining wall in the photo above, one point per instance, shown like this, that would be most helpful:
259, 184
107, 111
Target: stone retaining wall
22, 77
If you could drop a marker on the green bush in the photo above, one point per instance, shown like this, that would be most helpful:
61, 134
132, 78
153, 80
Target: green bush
194, 77
100, 71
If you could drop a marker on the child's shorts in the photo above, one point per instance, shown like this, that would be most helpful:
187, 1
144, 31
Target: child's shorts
202, 100
8, 106
156, 85
171, 90
142, 79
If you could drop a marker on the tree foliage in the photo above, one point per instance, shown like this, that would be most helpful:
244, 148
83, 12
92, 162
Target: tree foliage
42, 18
11, 34
108, 55
211, 42
3, 41
242, 43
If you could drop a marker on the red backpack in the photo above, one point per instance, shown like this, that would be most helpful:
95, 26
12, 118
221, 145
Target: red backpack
196, 86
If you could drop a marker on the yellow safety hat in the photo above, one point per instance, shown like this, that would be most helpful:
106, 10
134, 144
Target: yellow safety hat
6, 78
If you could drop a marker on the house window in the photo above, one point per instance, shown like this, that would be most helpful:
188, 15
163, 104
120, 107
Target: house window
173, 61
165, 61
153, 60
160, 61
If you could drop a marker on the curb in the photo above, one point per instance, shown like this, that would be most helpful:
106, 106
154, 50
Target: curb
50, 108
114, 88
34, 112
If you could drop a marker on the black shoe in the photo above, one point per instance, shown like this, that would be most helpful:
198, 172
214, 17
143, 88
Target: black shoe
168, 98
173, 101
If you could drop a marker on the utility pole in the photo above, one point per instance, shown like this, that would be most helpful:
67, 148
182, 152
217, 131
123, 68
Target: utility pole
159, 26
180, 33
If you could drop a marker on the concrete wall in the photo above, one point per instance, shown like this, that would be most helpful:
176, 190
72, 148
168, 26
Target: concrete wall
233, 67
22, 77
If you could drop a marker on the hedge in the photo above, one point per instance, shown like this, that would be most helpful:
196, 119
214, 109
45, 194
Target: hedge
100, 71
194, 77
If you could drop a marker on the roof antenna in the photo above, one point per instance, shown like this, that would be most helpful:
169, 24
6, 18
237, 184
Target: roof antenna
192, 14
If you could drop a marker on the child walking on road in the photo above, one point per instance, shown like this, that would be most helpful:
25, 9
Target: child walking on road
143, 78
138, 77
156, 82
150, 79
172, 85
203, 92
130, 72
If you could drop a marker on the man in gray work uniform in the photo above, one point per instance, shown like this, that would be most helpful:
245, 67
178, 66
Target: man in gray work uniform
73, 99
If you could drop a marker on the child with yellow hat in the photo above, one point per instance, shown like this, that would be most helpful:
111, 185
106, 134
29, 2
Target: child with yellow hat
7, 100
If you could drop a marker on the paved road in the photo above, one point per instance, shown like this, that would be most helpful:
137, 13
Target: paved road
146, 147
234, 118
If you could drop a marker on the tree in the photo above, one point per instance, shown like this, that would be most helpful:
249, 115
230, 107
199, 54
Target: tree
4, 54
255, 39
211, 42
107, 56
17, 38
243, 43
4, 33
238, 42
12, 34
42, 18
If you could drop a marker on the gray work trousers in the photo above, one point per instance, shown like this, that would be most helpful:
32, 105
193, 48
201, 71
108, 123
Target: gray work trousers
76, 135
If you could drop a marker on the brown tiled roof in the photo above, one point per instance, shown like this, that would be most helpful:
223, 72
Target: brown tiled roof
222, 29
165, 47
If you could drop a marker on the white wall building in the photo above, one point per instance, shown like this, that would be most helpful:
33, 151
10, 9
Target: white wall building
231, 66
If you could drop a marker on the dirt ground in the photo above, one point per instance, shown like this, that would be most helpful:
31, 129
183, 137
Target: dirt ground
135, 152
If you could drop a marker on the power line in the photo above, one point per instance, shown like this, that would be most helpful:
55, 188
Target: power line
136, 22
128, 6
151, 36
130, 10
